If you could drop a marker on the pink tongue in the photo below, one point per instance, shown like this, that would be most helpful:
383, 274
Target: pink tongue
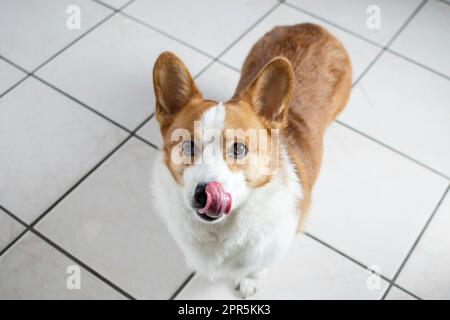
217, 200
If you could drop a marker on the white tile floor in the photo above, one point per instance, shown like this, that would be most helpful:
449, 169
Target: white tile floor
77, 140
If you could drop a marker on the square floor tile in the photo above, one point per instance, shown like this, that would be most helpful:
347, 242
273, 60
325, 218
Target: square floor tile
361, 52
48, 143
111, 69
108, 222
9, 229
210, 26
406, 107
426, 273
218, 83
32, 269
33, 31
397, 294
9, 76
359, 15
308, 271
426, 38
369, 202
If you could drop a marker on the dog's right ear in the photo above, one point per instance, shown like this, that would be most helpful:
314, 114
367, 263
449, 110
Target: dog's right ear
173, 85
271, 90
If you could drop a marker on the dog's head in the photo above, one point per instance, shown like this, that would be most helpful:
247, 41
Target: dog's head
219, 152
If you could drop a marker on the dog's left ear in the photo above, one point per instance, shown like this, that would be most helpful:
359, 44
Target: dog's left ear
271, 90
173, 85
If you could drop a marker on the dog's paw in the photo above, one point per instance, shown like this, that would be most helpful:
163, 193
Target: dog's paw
247, 287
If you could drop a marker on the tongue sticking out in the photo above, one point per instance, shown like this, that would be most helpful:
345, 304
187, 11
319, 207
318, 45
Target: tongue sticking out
217, 200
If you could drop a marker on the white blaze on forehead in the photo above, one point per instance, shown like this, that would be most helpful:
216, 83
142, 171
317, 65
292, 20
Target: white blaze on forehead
213, 119
212, 123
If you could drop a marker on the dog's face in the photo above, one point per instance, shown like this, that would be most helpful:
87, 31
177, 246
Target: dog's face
218, 153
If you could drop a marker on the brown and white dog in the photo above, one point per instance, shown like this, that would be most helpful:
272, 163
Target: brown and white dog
233, 199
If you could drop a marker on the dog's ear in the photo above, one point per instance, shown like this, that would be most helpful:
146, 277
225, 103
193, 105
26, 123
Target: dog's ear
173, 85
271, 90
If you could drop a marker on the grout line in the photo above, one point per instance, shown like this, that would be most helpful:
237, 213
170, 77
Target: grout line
418, 63
405, 24
68, 255
182, 286
369, 66
16, 218
131, 135
9, 213
19, 81
191, 276
61, 50
81, 103
389, 43
14, 86
149, 26
384, 48
214, 59
392, 149
82, 264
83, 35
358, 36
31, 226
293, 6
144, 140
104, 4
406, 291
390, 282
252, 26
87, 106
229, 66
12, 243
204, 69
137, 136
45, 82
416, 242
42, 215
84, 177
15, 65
329, 246
132, 132
72, 42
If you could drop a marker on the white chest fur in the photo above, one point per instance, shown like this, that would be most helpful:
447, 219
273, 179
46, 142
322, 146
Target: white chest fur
252, 238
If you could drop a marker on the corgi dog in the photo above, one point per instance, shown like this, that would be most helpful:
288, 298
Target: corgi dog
233, 180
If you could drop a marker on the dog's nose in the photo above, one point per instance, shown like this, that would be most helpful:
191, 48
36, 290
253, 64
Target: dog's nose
200, 196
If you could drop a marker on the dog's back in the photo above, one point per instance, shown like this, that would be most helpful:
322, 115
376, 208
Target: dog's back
322, 86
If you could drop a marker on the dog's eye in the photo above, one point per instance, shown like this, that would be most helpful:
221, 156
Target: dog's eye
188, 148
238, 150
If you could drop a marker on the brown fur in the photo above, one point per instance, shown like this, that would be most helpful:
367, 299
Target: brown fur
262, 159
322, 72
